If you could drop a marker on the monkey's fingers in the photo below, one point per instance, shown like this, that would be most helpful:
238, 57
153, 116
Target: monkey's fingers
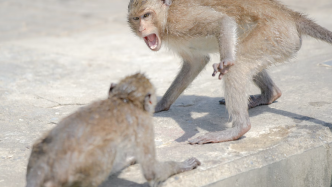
223, 72
191, 163
215, 69
220, 75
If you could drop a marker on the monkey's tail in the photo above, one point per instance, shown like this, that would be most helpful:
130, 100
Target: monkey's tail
309, 27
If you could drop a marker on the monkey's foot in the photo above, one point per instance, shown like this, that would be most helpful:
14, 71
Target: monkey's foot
161, 107
221, 136
222, 67
257, 100
189, 164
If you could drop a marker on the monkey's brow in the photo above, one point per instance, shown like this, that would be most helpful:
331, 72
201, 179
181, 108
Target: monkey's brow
143, 10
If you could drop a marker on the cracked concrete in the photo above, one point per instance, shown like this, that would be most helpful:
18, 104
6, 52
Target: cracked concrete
58, 55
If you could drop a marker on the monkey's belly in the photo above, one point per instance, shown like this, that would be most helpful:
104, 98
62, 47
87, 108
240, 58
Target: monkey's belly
207, 44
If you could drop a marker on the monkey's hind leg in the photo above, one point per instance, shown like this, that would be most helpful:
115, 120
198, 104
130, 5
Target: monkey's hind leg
236, 83
269, 91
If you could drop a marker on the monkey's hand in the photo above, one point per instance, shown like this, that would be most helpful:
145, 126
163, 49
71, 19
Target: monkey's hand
189, 164
222, 67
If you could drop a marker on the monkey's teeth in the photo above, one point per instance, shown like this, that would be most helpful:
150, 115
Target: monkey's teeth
153, 46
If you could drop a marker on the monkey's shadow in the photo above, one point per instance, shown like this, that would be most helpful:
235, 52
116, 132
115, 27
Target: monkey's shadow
114, 180
192, 112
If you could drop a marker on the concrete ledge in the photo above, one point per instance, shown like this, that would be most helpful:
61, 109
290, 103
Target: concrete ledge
311, 168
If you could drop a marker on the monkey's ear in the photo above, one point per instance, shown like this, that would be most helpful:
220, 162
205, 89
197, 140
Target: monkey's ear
111, 88
167, 2
148, 105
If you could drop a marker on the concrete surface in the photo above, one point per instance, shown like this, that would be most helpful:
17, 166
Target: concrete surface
58, 55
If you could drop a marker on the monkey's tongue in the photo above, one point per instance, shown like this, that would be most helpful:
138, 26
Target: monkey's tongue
152, 41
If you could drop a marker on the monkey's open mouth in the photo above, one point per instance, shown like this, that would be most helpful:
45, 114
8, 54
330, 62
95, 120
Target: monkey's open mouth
152, 41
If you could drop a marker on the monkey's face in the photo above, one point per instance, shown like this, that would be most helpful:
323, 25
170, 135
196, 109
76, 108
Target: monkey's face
150, 101
147, 18
145, 25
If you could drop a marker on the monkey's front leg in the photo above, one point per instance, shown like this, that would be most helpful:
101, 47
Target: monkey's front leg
227, 45
154, 171
191, 67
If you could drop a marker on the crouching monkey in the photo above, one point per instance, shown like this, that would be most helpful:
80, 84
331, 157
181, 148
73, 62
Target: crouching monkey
249, 35
103, 138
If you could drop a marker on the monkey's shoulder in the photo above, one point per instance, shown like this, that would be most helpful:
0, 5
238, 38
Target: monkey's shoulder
105, 112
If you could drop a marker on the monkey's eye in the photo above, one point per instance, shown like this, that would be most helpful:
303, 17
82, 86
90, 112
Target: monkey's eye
146, 15
135, 18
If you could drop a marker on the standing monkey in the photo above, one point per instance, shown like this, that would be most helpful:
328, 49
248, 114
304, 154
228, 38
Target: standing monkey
249, 35
103, 138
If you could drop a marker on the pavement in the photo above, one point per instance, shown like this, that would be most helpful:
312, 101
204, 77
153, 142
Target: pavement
59, 55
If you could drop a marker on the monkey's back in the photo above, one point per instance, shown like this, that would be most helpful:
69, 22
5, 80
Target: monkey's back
84, 145
253, 9
264, 28
243, 11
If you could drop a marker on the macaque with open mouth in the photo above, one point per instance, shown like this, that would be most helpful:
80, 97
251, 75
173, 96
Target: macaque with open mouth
249, 35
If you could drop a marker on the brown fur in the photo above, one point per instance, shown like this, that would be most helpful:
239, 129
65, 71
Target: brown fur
249, 35
103, 138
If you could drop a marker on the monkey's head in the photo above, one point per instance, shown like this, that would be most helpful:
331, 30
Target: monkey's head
136, 89
147, 19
